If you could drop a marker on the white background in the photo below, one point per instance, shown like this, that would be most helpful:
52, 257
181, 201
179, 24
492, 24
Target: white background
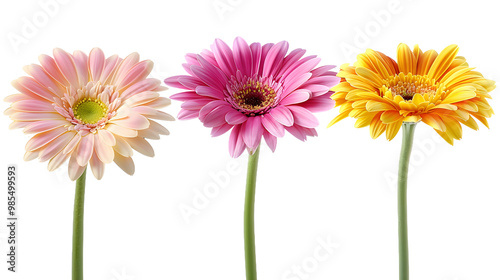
338, 186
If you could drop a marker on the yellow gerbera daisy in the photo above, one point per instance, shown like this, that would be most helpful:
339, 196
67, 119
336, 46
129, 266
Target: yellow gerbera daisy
440, 90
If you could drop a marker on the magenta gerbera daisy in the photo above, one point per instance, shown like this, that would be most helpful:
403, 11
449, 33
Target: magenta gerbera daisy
88, 110
255, 91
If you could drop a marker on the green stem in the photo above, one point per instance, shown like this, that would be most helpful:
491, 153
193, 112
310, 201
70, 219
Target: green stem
78, 228
250, 259
404, 162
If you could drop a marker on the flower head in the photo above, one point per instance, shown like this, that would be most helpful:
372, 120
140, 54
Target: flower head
440, 90
257, 91
88, 110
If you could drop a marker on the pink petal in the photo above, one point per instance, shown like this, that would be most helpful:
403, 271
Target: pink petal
43, 126
210, 92
297, 131
56, 146
104, 151
219, 130
234, 117
96, 63
252, 132
174, 82
107, 137
196, 104
85, 149
50, 66
67, 67
125, 163
209, 108
33, 106
290, 60
217, 116
319, 104
121, 131
236, 143
97, 166
122, 147
42, 139
256, 50
322, 70
282, 115
303, 117
80, 59
273, 126
141, 145
298, 96
271, 141
224, 57
30, 87
56, 161
303, 66
25, 116
71, 146
74, 169
189, 82
215, 73
206, 77
291, 85
133, 121
184, 96
274, 59
42, 77
125, 66
187, 114
139, 72
141, 86
109, 68
242, 56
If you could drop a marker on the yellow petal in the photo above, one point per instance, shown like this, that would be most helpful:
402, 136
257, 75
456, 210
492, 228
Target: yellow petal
338, 118
375, 106
434, 121
406, 60
393, 129
388, 117
376, 126
460, 94
443, 61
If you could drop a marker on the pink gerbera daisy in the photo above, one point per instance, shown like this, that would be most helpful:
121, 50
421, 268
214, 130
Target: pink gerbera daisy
257, 91
90, 110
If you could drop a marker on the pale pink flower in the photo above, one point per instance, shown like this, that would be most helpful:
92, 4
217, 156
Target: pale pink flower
257, 91
88, 110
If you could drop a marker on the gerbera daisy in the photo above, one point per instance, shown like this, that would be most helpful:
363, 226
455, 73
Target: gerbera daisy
257, 91
88, 110
440, 90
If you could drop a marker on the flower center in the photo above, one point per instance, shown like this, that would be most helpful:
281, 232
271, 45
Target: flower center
408, 85
253, 95
89, 110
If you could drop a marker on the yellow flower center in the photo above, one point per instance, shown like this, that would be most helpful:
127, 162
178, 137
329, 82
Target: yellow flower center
408, 85
254, 95
90, 111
